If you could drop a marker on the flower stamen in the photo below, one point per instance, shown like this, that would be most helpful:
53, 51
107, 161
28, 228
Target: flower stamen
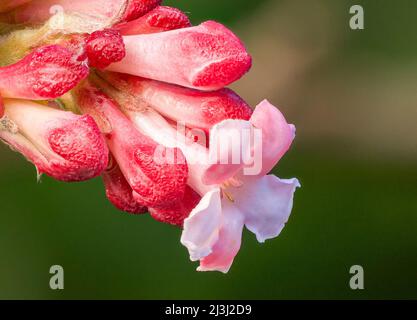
228, 196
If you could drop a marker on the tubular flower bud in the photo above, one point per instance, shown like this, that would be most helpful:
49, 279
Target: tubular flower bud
46, 73
206, 57
154, 181
104, 48
63, 145
119, 192
197, 109
177, 212
158, 20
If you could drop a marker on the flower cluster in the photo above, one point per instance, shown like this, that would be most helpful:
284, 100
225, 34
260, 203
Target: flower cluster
130, 91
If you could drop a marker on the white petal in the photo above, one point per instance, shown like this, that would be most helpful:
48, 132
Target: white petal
266, 203
201, 228
228, 243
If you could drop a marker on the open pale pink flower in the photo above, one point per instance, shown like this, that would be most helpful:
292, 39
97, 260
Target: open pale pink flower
205, 57
63, 145
160, 19
212, 233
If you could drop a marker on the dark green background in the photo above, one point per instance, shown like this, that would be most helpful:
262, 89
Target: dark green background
356, 206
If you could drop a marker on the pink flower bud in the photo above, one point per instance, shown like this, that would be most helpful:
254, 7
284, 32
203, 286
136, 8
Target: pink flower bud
137, 8
46, 73
119, 192
158, 20
177, 212
206, 57
63, 145
104, 48
196, 109
154, 181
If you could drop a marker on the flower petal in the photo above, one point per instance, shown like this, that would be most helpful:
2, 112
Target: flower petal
277, 134
266, 203
201, 228
225, 152
228, 243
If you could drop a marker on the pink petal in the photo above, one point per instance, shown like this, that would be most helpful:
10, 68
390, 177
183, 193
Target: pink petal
226, 150
266, 204
228, 243
254, 146
201, 228
277, 134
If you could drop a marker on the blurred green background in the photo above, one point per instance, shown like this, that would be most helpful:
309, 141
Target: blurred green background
353, 97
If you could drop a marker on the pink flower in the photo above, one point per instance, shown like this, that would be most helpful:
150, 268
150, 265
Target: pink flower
145, 87
212, 233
